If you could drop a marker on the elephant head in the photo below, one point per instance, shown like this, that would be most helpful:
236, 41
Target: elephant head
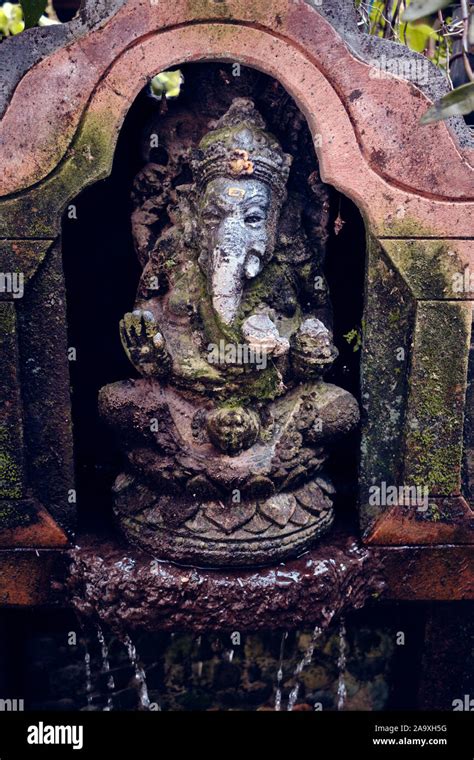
241, 173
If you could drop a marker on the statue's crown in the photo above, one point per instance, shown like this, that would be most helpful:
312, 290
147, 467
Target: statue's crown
240, 148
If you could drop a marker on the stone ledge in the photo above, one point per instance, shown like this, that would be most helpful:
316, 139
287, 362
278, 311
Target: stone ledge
127, 589
125, 585
27, 577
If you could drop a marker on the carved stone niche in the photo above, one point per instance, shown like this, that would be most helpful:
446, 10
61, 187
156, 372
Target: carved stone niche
370, 147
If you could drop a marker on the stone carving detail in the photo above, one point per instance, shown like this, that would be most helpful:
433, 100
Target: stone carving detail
227, 429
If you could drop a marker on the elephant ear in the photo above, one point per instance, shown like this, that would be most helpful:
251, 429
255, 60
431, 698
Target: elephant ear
150, 199
185, 213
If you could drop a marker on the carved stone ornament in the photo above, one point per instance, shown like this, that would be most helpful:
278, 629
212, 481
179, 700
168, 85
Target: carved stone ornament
227, 430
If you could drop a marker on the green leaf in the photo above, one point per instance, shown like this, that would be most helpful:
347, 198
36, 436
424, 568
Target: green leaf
421, 8
417, 36
11, 19
32, 10
354, 336
3, 23
167, 82
16, 26
459, 102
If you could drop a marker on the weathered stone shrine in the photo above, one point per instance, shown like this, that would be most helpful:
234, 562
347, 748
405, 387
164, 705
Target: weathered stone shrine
65, 102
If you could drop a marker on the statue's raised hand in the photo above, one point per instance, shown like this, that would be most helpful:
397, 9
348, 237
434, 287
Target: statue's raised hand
312, 349
144, 344
263, 337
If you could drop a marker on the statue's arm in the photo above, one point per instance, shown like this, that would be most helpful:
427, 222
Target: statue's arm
140, 332
312, 350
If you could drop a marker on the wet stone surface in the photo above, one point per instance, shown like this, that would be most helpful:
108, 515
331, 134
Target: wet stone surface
127, 589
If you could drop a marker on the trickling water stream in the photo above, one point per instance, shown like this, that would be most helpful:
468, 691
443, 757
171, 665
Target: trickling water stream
304, 661
341, 664
330, 667
300, 670
280, 671
104, 650
199, 664
87, 668
140, 676
307, 657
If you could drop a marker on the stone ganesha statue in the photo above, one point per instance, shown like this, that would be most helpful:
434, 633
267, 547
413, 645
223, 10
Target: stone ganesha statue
226, 432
